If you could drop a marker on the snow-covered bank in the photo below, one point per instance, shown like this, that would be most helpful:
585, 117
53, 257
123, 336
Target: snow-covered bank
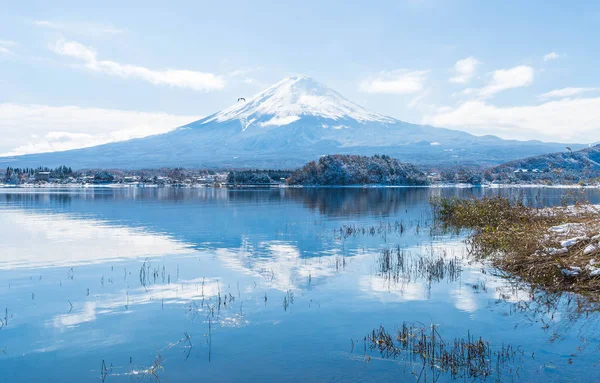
432, 186
95, 186
538, 186
557, 248
449, 185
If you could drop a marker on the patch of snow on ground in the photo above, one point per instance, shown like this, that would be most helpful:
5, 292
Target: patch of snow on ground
593, 270
561, 251
571, 271
566, 228
572, 210
590, 249
572, 241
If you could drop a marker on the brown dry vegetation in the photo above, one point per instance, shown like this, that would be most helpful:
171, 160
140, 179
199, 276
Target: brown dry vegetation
519, 240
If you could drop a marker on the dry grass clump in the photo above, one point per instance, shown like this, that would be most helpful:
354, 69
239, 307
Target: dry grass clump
555, 248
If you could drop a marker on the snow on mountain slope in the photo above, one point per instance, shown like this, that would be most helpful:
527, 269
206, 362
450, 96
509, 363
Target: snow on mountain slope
291, 98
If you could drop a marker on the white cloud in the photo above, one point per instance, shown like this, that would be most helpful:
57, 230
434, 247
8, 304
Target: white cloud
395, 82
74, 49
503, 79
41, 128
551, 56
567, 92
244, 75
566, 120
416, 101
500, 80
8, 43
5, 45
242, 72
87, 29
465, 69
172, 77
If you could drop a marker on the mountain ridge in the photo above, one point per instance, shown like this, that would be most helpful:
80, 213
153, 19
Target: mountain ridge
559, 166
293, 121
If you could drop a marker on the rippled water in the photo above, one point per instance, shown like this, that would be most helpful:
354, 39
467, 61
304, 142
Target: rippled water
177, 285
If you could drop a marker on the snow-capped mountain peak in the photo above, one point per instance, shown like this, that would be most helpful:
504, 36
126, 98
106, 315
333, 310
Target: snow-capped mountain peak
294, 121
292, 98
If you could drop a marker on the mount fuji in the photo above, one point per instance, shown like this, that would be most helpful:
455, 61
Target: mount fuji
286, 125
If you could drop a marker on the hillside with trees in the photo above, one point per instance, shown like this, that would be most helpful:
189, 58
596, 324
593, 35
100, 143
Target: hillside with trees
358, 170
555, 168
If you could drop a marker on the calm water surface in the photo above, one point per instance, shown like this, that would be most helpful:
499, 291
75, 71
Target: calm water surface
177, 285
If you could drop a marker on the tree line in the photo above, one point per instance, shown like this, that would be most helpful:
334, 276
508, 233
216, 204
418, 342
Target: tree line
14, 175
257, 176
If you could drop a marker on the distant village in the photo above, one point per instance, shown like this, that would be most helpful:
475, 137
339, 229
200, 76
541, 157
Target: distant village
66, 176
167, 177
331, 170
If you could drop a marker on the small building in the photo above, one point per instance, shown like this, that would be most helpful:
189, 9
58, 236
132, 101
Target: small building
162, 180
131, 179
42, 176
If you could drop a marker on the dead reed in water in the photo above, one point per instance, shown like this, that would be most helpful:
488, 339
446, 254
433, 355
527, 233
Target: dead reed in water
422, 346
379, 229
398, 265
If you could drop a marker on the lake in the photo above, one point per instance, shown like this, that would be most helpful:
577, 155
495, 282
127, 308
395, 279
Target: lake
294, 285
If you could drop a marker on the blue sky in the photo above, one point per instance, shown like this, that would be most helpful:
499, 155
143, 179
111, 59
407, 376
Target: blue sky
75, 74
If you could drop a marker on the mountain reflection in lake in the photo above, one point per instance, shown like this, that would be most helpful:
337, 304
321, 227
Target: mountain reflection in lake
268, 285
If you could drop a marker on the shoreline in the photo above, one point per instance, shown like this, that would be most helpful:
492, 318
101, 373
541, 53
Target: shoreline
207, 186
